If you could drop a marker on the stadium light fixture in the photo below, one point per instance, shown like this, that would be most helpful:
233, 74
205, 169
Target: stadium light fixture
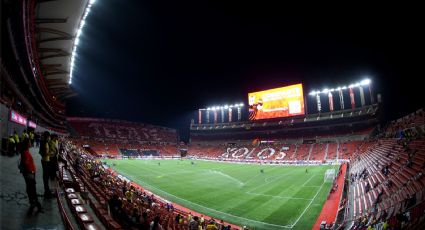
344, 87
365, 82
357, 84
77, 38
225, 106
325, 91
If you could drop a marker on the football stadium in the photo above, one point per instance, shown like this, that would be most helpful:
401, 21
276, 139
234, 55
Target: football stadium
89, 143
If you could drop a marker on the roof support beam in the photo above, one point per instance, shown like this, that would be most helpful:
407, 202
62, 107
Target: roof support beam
51, 20
56, 53
55, 72
57, 77
61, 38
57, 84
41, 1
52, 31
51, 66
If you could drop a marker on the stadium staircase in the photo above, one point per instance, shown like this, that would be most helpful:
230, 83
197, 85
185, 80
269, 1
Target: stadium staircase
337, 151
326, 151
310, 150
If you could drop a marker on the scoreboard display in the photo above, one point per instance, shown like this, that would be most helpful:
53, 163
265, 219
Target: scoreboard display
274, 103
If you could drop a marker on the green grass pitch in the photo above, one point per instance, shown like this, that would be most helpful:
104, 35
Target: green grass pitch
280, 197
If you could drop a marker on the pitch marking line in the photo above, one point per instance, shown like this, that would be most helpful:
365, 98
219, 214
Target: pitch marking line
228, 214
308, 205
249, 180
308, 181
174, 173
268, 182
249, 220
281, 197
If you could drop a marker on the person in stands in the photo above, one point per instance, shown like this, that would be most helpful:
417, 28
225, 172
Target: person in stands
155, 225
115, 206
17, 141
45, 163
144, 223
53, 152
194, 224
31, 134
11, 145
211, 225
28, 169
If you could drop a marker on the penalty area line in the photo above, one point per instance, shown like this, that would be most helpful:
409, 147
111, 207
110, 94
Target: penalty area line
281, 197
216, 211
317, 193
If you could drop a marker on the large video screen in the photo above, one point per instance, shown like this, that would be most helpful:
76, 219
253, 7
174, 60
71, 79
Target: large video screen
279, 102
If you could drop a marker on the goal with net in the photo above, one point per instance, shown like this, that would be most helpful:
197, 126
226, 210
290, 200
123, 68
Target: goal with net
329, 175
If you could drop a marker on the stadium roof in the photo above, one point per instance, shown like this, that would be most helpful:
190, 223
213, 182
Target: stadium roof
57, 25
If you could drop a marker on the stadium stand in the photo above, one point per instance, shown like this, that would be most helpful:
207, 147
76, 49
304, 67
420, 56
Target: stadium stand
121, 130
387, 183
414, 120
85, 181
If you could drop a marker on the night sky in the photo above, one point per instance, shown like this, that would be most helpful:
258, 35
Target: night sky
158, 62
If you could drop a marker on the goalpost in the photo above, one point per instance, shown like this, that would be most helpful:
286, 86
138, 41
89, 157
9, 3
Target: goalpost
329, 175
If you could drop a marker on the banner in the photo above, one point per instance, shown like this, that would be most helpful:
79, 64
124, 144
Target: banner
17, 118
32, 124
331, 102
353, 102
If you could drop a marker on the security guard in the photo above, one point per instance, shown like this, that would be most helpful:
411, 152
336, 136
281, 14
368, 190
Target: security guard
11, 145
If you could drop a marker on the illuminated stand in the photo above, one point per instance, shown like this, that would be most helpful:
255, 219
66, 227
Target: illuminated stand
222, 109
340, 90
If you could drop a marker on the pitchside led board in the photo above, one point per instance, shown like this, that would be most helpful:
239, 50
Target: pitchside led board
279, 102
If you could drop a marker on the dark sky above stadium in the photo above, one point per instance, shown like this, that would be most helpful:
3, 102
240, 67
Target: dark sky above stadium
157, 62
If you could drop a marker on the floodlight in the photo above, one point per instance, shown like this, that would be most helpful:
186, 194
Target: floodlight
339, 88
325, 91
357, 84
344, 87
365, 82
241, 104
77, 36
